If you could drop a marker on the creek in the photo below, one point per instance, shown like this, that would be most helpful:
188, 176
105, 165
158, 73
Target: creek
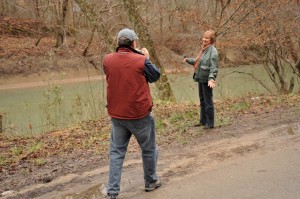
58, 105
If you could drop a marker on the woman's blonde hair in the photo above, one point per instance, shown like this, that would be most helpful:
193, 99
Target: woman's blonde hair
212, 35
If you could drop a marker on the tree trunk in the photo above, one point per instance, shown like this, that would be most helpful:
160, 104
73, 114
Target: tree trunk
161, 17
164, 89
66, 22
37, 9
297, 65
215, 13
61, 28
69, 17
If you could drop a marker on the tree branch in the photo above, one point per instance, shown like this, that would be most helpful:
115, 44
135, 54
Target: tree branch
255, 78
231, 16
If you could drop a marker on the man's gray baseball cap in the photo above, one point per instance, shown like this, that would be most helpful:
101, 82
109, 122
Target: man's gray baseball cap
127, 33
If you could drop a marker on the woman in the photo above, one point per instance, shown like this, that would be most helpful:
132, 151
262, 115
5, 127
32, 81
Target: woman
205, 73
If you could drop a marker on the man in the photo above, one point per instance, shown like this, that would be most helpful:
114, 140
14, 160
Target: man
129, 105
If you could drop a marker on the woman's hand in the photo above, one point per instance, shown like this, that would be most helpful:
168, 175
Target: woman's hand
212, 83
184, 59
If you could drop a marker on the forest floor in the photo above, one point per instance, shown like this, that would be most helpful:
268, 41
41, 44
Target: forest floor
73, 162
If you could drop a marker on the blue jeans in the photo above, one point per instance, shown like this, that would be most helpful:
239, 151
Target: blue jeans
207, 111
144, 132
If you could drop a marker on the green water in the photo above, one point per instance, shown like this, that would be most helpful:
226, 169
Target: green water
231, 82
35, 110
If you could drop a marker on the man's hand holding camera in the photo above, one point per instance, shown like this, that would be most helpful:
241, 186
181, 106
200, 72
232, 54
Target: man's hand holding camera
145, 52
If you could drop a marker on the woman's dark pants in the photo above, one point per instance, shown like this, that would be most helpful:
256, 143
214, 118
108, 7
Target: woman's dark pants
207, 112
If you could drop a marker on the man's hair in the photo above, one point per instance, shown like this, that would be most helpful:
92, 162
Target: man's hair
124, 42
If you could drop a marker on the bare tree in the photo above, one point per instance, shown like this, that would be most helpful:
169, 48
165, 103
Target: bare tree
277, 38
97, 22
164, 89
269, 29
66, 22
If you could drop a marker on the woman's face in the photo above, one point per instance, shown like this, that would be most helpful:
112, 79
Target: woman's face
206, 38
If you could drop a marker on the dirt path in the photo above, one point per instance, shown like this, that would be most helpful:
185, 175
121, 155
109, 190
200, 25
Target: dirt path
268, 174
249, 135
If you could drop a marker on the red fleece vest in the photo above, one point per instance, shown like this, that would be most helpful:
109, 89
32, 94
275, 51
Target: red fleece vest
128, 93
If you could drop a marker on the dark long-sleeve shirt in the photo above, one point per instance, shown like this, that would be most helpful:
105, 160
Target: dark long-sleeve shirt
152, 73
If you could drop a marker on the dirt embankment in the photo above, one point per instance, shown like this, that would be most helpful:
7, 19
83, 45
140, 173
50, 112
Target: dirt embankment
28, 53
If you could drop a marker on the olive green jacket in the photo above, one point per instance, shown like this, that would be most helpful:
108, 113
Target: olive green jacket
207, 66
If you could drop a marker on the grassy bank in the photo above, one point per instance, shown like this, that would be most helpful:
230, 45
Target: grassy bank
174, 123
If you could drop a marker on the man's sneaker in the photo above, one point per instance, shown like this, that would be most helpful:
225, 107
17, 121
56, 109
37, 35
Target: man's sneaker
112, 196
150, 186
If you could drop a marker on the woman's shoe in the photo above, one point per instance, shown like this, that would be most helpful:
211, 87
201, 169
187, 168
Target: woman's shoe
199, 124
208, 127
